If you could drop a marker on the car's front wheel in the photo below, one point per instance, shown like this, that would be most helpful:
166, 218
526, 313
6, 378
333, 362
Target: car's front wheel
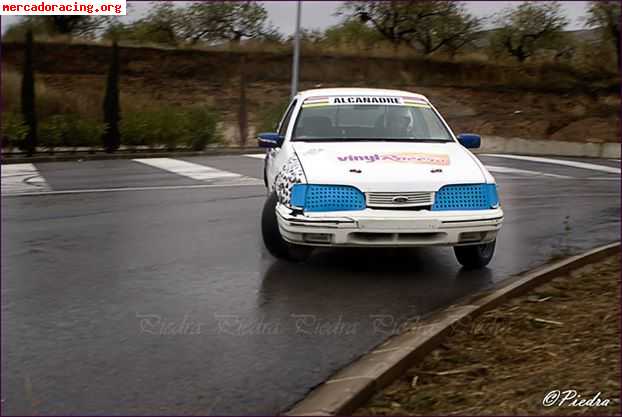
272, 239
475, 256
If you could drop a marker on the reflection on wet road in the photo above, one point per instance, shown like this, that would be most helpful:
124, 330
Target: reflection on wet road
160, 299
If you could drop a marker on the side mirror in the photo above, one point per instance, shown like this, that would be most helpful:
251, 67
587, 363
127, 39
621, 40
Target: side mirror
469, 140
269, 140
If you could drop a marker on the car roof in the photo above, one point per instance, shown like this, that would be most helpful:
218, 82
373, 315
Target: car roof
357, 91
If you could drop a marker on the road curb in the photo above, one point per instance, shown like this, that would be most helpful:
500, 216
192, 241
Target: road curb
345, 391
90, 156
550, 147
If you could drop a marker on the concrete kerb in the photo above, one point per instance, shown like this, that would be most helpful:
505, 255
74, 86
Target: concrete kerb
521, 146
342, 393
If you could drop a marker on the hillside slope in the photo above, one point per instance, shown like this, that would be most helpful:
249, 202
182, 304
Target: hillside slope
553, 102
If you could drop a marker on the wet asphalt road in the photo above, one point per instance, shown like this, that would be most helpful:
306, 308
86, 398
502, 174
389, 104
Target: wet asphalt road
163, 301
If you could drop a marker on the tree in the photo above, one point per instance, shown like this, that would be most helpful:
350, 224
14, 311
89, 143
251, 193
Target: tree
426, 25
270, 35
28, 97
68, 25
529, 27
71, 25
216, 21
352, 32
450, 28
309, 36
242, 111
18, 30
249, 20
605, 15
112, 112
161, 25
391, 19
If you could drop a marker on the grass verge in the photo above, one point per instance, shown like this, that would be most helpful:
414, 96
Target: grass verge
564, 335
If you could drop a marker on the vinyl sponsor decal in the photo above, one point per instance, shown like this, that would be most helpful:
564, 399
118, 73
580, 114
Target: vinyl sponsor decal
401, 157
316, 102
364, 100
414, 102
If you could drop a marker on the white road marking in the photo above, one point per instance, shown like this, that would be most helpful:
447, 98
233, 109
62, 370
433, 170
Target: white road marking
506, 170
256, 155
188, 169
575, 164
21, 178
245, 182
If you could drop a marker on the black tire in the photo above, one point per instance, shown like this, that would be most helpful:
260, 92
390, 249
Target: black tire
272, 239
475, 256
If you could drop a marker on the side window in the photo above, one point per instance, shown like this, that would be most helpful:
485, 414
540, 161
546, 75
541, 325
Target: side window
286, 118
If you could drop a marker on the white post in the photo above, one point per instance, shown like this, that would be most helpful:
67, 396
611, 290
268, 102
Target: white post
296, 59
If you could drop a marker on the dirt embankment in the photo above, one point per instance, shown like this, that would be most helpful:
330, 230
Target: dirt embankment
545, 353
553, 102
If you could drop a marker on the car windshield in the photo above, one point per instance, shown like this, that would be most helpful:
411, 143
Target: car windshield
367, 119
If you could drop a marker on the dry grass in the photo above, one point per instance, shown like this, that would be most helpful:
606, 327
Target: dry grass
475, 95
52, 101
10, 93
588, 57
49, 101
563, 335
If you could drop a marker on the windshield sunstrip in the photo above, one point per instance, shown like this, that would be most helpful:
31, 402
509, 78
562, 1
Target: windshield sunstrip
364, 100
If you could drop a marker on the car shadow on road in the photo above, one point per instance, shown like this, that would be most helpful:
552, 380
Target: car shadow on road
361, 281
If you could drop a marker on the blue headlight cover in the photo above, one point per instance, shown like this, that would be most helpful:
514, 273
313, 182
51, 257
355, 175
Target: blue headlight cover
466, 197
311, 197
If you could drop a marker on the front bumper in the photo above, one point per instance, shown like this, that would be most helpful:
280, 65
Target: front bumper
372, 227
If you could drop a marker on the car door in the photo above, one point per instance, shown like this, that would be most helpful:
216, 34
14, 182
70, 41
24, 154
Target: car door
276, 157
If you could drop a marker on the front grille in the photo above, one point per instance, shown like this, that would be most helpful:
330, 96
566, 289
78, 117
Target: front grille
466, 197
312, 197
397, 200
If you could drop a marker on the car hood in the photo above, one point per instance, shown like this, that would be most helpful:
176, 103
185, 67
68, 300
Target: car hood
385, 166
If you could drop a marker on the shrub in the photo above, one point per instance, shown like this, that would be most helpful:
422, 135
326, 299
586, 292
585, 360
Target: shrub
51, 131
172, 127
14, 130
134, 129
152, 127
70, 130
202, 127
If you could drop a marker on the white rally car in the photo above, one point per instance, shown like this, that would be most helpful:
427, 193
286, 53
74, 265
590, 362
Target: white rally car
371, 167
